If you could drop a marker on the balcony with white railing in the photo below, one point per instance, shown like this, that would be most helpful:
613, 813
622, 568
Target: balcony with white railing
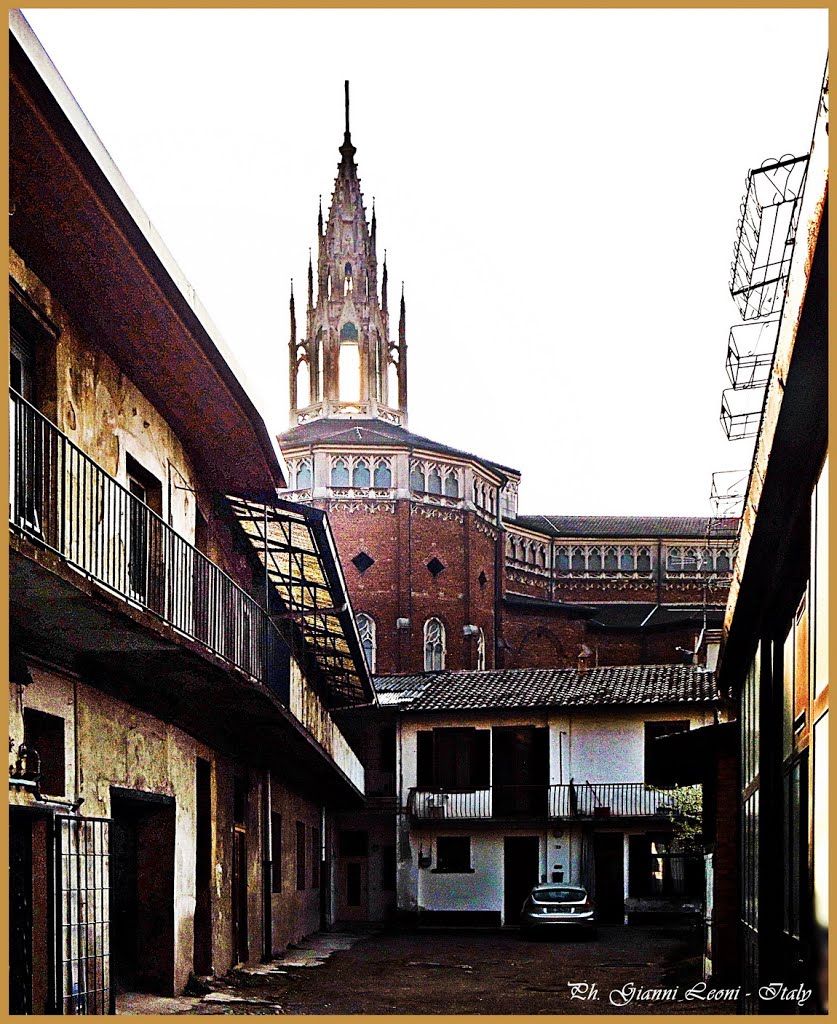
563, 802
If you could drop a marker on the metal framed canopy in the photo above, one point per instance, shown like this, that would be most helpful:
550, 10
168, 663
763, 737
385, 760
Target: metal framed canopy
306, 595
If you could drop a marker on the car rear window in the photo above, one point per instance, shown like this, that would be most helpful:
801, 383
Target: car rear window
560, 895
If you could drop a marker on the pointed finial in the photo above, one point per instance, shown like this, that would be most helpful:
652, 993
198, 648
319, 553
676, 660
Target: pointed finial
293, 314
310, 280
320, 217
346, 86
384, 285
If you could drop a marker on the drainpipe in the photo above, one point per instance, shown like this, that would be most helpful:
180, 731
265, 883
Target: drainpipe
267, 873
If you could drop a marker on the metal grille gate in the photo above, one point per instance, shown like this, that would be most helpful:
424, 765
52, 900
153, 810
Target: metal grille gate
82, 908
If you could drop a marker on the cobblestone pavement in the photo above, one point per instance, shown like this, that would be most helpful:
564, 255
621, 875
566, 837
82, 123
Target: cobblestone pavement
636, 970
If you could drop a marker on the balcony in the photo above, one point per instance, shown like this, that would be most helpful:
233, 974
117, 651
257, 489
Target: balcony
102, 584
588, 802
61, 499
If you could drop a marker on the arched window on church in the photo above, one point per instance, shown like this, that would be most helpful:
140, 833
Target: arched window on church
340, 473
328, 284
368, 639
347, 279
318, 377
594, 560
303, 384
434, 645
626, 560
383, 474
611, 560
562, 560
417, 482
392, 385
434, 481
303, 475
643, 560
722, 561
360, 474
349, 364
481, 650
578, 562
451, 486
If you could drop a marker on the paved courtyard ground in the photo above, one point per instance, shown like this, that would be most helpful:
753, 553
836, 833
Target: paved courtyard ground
469, 973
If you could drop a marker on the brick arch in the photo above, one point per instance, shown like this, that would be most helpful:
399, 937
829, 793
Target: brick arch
539, 648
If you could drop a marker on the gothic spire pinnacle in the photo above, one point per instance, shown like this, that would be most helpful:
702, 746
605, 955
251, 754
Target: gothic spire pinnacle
293, 313
347, 150
320, 218
384, 285
310, 280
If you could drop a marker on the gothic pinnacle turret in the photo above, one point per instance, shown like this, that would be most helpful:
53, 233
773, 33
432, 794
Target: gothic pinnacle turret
347, 345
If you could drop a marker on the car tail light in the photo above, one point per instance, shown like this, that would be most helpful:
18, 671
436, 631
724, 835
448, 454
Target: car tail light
587, 904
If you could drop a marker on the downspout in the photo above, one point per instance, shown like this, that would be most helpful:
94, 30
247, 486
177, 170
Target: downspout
267, 869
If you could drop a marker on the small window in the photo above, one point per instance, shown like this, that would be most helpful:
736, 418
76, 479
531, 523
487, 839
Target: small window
594, 560
276, 852
348, 332
643, 560
366, 630
303, 475
611, 560
44, 734
626, 560
417, 479
434, 481
562, 560
722, 561
340, 474
451, 486
360, 476
383, 475
300, 855
453, 854
578, 562
434, 646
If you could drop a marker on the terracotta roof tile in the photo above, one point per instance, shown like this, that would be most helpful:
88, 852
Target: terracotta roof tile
539, 687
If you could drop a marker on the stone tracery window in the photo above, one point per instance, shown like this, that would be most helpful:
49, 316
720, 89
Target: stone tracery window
611, 559
360, 474
434, 645
451, 485
383, 474
417, 482
304, 476
434, 481
340, 473
562, 560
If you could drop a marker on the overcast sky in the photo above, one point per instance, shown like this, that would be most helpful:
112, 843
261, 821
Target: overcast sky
558, 189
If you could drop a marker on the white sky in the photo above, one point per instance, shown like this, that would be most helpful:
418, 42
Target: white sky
558, 189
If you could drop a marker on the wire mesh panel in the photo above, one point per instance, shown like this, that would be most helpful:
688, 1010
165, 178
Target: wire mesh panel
82, 907
750, 353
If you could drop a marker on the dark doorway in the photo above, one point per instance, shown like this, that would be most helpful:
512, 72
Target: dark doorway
20, 913
609, 860
521, 870
520, 764
203, 868
142, 891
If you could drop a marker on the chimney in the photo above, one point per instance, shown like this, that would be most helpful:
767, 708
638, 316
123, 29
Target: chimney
712, 648
584, 656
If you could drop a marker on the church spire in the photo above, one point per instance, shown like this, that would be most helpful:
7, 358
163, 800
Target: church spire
347, 346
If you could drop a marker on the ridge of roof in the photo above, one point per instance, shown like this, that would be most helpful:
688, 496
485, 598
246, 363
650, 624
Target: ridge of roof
605, 685
695, 527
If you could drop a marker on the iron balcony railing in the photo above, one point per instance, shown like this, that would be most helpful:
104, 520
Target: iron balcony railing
569, 801
63, 500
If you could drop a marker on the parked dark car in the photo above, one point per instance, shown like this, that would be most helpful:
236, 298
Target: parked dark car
555, 906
